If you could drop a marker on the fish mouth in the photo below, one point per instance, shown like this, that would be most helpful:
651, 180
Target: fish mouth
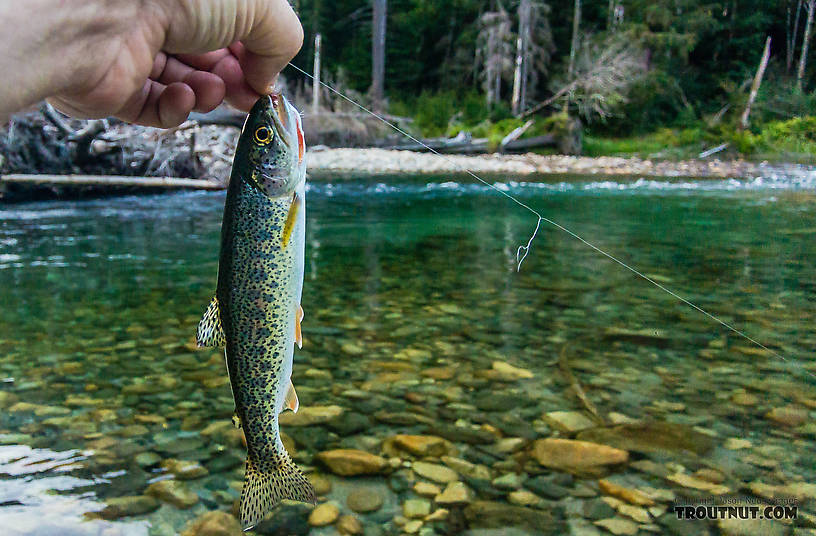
279, 112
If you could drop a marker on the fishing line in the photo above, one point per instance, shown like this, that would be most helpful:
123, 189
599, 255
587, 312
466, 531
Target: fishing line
524, 250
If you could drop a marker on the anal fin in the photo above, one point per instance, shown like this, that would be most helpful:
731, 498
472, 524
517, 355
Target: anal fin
210, 332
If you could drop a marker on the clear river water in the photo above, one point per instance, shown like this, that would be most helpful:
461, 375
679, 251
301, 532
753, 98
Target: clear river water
418, 324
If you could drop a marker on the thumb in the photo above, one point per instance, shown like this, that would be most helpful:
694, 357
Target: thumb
273, 40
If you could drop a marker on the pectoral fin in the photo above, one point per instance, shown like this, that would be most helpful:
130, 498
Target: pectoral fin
210, 332
291, 219
291, 401
298, 319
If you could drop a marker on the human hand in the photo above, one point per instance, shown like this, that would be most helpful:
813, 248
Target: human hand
149, 62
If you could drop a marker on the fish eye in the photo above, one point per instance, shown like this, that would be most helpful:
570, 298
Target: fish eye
263, 135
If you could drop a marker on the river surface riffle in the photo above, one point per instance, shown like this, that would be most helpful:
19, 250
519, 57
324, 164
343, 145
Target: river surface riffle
441, 391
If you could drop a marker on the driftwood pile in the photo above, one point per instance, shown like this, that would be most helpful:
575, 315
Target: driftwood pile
47, 142
45, 154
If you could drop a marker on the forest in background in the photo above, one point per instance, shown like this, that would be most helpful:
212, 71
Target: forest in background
642, 76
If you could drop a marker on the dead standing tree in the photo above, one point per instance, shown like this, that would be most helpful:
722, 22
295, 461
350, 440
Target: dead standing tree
494, 51
378, 54
522, 44
576, 40
534, 45
800, 74
763, 63
792, 32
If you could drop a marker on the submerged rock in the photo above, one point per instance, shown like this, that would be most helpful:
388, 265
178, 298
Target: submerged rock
214, 524
320, 483
619, 526
632, 496
416, 508
324, 514
435, 472
465, 468
752, 527
310, 415
496, 515
348, 526
788, 416
508, 482
523, 497
426, 489
423, 446
651, 437
183, 469
576, 456
147, 459
568, 421
462, 434
223, 431
364, 500
291, 520
174, 492
351, 462
128, 506
689, 481
506, 372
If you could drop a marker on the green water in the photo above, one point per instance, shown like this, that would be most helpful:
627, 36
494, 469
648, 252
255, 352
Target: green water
100, 300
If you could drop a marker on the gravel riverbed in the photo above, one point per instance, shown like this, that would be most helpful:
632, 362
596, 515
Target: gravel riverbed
389, 161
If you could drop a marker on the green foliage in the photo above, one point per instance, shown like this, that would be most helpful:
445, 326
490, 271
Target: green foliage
745, 142
802, 129
781, 99
794, 139
643, 146
431, 111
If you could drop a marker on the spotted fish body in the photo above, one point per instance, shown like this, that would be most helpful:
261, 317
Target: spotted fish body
256, 310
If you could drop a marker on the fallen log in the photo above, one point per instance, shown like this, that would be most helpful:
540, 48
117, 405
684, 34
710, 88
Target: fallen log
531, 143
112, 180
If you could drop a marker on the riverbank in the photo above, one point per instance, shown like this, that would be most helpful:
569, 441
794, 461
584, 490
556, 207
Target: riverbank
373, 161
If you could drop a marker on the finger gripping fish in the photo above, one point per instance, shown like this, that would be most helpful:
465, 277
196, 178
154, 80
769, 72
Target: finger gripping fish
256, 310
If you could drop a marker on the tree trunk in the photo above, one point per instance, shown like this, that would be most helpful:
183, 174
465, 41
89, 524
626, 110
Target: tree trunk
805, 41
610, 20
766, 54
316, 76
576, 24
378, 54
791, 44
520, 75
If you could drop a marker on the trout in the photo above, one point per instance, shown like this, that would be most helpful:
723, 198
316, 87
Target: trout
256, 311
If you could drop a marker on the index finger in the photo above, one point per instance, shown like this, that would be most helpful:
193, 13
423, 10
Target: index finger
273, 40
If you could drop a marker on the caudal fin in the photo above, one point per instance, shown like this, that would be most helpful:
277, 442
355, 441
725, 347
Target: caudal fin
265, 489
